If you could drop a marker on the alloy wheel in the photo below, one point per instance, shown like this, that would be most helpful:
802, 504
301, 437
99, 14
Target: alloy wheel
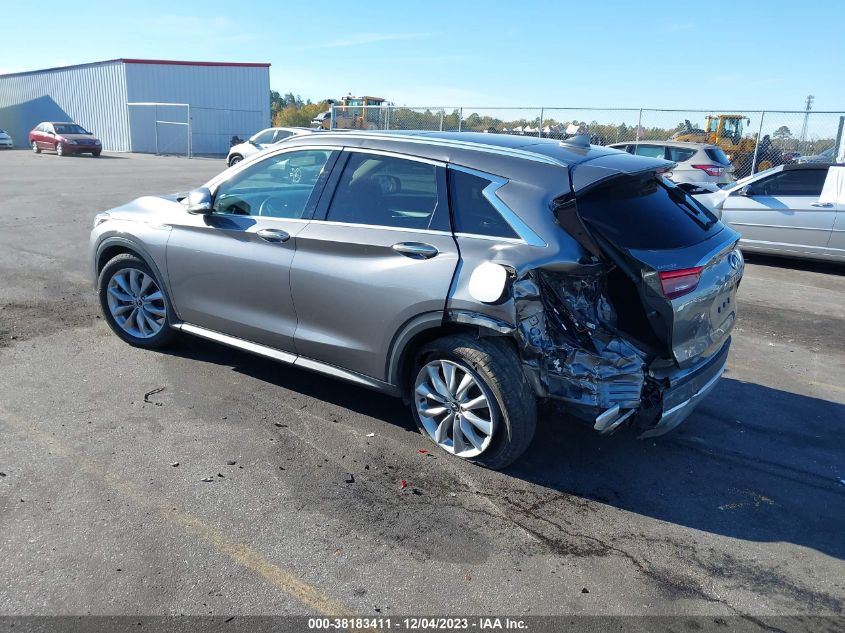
60, 150
454, 408
136, 303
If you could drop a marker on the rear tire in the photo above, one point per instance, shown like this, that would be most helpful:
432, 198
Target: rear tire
134, 302
35, 147
511, 406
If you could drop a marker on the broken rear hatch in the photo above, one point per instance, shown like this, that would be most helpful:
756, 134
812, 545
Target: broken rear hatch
677, 266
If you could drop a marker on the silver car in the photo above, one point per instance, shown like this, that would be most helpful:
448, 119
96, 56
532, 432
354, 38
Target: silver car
696, 162
6, 140
472, 275
795, 210
262, 140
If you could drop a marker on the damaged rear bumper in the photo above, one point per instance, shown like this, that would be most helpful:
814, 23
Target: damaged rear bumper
675, 395
686, 391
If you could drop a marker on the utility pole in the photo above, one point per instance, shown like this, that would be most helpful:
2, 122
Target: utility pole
807, 108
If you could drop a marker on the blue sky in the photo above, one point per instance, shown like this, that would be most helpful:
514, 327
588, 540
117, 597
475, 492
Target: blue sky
679, 54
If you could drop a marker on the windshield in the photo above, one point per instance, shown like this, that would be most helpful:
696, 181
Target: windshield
69, 128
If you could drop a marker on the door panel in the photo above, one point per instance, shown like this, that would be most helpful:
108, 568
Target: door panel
229, 270
226, 278
784, 213
353, 291
380, 252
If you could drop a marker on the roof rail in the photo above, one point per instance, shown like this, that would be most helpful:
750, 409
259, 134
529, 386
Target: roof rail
443, 142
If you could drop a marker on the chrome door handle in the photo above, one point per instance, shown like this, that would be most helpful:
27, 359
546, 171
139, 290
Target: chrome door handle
415, 250
823, 205
273, 235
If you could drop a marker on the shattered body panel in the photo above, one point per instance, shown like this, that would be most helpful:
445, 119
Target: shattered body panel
558, 307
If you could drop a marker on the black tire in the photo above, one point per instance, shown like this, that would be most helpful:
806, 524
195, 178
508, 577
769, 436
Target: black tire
95, 154
493, 362
234, 160
35, 147
60, 149
123, 261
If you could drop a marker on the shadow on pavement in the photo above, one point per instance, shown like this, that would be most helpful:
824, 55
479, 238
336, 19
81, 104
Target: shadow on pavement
808, 265
751, 463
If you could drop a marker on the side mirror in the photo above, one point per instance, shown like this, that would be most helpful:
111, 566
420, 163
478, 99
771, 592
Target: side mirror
746, 191
199, 201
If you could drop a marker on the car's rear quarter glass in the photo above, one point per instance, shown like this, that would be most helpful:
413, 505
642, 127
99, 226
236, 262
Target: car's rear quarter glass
679, 154
473, 213
717, 155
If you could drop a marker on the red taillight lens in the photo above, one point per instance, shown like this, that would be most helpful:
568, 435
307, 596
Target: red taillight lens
711, 170
676, 283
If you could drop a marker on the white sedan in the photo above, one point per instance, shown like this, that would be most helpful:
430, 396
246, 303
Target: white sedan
793, 210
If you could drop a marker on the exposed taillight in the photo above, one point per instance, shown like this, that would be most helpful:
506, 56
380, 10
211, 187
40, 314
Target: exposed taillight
676, 283
711, 170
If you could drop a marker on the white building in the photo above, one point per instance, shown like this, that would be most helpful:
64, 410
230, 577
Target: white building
220, 100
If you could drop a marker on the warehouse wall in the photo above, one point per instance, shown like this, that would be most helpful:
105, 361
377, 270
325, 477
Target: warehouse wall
93, 95
225, 101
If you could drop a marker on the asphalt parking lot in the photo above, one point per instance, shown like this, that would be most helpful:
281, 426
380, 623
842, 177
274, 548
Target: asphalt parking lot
740, 511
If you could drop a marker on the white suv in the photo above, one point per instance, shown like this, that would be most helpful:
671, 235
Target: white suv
262, 140
697, 162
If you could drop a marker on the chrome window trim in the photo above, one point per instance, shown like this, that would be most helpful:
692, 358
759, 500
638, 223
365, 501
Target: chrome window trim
440, 142
383, 227
491, 238
394, 154
525, 233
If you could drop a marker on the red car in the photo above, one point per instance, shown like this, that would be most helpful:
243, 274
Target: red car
64, 138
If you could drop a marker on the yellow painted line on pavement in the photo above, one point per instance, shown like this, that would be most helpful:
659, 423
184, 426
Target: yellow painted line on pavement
241, 554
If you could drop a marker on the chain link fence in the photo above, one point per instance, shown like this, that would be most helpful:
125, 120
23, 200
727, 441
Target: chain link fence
753, 140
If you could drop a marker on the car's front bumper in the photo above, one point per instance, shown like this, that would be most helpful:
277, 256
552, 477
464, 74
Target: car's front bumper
81, 149
6, 143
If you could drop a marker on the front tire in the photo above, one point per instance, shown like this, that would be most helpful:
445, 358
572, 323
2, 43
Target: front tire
60, 150
235, 160
134, 303
471, 398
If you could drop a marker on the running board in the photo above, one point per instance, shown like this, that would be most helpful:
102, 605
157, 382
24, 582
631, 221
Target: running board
287, 358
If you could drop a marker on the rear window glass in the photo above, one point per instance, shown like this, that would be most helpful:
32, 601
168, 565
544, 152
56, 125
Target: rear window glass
717, 155
644, 212
679, 154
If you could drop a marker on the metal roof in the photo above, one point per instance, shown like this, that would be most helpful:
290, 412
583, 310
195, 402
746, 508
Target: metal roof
122, 60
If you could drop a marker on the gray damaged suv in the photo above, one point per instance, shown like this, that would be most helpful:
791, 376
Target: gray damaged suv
473, 275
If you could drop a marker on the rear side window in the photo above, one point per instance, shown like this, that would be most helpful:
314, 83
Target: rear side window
643, 212
679, 154
652, 151
473, 212
717, 155
385, 191
800, 182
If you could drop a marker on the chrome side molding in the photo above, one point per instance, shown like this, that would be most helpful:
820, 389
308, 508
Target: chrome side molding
287, 358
